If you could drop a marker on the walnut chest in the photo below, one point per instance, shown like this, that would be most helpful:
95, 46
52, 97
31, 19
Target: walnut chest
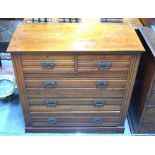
142, 107
75, 77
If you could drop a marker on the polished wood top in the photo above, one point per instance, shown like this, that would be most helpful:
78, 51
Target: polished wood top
75, 37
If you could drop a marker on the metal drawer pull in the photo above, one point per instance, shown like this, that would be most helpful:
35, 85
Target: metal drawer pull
101, 84
51, 103
52, 120
104, 65
48, 65
97, 120
99, 103
50, 84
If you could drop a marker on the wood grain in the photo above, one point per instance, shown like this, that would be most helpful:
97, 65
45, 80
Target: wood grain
75, 37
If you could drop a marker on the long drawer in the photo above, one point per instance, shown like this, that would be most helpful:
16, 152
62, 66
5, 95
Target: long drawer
97, 119
104, 74
74, 83
75, 101
75, 108
69, 92
74, 104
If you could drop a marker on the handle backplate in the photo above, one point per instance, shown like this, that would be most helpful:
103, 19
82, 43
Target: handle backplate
104, 65
97, 120
101, 84
50, 84
52, 120
48, 65
51, 103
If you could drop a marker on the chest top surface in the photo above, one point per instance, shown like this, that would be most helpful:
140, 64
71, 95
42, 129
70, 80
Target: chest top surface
75, 37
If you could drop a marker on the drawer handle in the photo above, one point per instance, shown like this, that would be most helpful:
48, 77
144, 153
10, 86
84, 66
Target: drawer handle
99, 103
104, 65
48, 65
51, 103
97, 120
50, 84
101, 84
52, 120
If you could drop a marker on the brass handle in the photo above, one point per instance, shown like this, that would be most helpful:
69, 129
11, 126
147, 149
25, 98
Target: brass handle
99, 103
52, 120
104, 65
52, 103
50, 84
101, 84
48, 65
97, 120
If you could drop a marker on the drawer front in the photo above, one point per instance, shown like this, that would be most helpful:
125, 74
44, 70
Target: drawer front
109, 74
94, 102
78, 120
76, 108
104, 63
87, 92
48, 64
74, 83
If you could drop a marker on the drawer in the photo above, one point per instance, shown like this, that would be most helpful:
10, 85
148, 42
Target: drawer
74, 83
78, 120
75, 114
104, 63
109, 74
52, 106
48, 64
69, 92
75, 101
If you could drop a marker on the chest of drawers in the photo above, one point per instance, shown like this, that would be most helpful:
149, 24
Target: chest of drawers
75, 77
142, 107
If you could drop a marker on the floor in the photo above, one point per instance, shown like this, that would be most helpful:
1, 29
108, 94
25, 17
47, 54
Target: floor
11, 117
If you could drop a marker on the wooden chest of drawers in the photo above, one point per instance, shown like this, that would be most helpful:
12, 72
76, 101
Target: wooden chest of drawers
142, 107
75, 77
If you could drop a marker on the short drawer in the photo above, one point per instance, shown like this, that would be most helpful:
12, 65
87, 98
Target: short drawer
47, 64
78, 120
69, 92
104, 63
74, 83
